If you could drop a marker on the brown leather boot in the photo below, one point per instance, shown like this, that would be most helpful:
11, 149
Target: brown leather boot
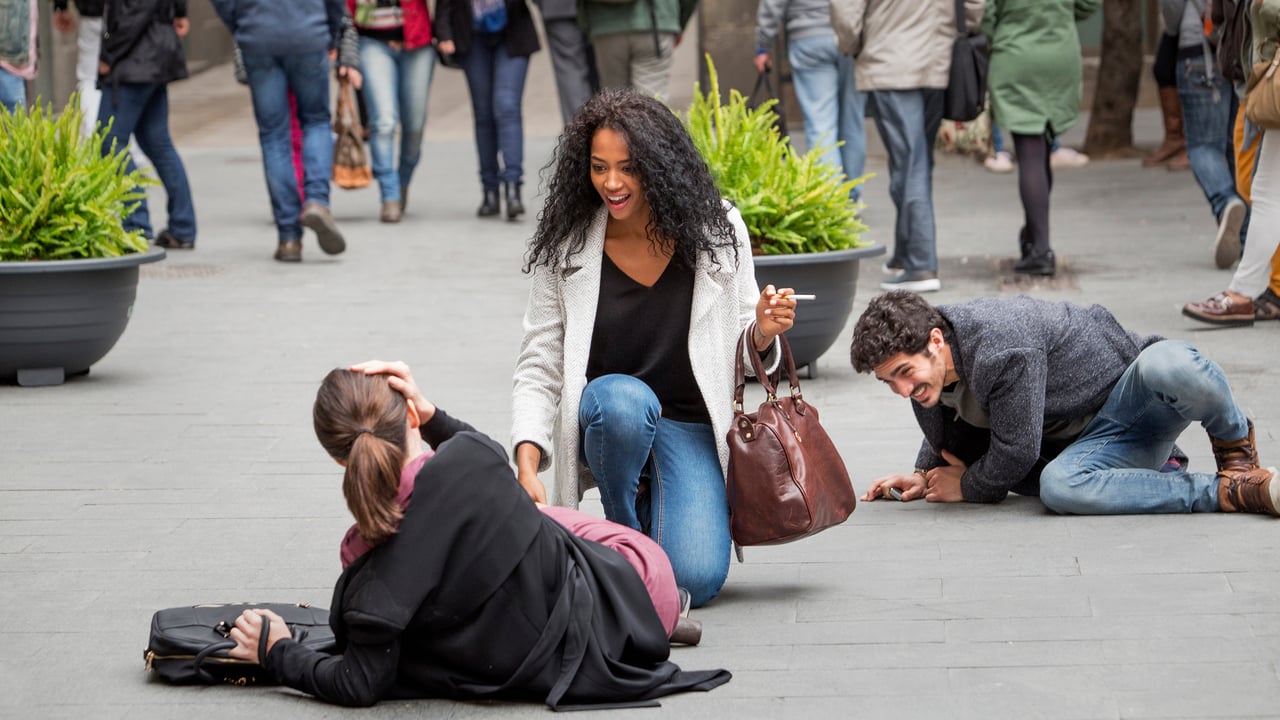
689, 631
1252, 491
1174, 140
1235, 455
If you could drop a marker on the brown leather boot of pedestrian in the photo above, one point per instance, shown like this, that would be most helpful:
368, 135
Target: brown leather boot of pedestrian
1235, 455
1252, 491
1175, 141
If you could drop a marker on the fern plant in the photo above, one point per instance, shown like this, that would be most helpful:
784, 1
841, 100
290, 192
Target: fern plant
60, 198
790, 202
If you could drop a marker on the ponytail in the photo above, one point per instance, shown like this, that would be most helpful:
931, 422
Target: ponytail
371, 485
360, 421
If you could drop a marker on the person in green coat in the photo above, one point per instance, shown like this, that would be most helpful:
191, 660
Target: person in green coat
1035, 81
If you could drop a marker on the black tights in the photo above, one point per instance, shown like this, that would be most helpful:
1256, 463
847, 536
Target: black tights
1035, 180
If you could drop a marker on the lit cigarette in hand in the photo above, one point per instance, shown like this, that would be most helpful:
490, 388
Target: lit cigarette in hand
801, 297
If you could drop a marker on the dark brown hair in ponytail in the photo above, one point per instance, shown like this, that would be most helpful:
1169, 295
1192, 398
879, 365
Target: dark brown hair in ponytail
360, 421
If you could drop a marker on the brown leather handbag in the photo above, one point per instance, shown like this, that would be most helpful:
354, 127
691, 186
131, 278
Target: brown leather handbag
350, 154
786, 479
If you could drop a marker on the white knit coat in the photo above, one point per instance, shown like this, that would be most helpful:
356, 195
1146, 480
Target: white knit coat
552, 370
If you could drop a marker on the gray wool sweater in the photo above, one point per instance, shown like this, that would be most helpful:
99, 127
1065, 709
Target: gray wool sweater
1027, 362
802, 18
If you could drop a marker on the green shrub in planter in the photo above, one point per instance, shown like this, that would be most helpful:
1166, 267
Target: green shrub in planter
60, 199
791, 203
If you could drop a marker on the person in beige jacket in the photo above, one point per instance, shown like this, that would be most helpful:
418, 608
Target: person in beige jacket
642, 285
902, 57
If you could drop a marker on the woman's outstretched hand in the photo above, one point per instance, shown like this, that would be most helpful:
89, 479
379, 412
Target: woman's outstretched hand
775, 314
400, 378
248, 633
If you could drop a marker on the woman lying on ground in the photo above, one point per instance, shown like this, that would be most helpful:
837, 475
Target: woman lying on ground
456, 585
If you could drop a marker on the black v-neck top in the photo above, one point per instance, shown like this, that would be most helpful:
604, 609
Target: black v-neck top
644, 332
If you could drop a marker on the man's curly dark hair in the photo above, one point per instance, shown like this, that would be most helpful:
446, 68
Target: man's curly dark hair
896, 322
685, 211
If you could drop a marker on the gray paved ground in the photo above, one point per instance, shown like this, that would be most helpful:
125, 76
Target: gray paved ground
183, 468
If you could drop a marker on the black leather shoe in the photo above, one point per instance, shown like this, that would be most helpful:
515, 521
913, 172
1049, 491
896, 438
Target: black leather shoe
515, 208
489, 205
1025, 245
167, 240
1037, 264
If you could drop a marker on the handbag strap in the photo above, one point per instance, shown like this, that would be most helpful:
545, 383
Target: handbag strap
960, 24
769, 381
762, 81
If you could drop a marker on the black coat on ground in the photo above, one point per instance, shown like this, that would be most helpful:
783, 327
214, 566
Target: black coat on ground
481, 595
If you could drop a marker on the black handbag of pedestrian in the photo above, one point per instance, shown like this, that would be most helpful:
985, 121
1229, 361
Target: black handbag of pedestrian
966, 93
190, 645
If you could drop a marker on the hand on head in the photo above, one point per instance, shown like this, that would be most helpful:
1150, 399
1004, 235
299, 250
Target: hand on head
400, 378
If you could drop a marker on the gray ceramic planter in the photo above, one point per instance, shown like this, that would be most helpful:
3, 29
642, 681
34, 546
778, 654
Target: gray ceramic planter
833, 277
58, 317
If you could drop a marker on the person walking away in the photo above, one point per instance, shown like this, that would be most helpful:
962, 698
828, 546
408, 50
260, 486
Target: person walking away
902, 55
141, 54
1248, 292
572, 57
18, 22
822, 76
1035, 81
1208, 107
285, 47
634, 41
494, 39
397, 61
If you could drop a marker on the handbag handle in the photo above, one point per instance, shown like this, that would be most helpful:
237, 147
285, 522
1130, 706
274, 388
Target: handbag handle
212, 648
960, 20
762, 81
769, 381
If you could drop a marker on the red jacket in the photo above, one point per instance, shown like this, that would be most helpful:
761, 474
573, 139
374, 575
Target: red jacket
417, 22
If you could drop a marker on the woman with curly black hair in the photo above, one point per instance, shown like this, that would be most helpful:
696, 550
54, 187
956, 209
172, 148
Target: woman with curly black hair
642, 284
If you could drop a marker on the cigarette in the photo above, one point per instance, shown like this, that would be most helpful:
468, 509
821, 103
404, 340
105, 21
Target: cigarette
802, 297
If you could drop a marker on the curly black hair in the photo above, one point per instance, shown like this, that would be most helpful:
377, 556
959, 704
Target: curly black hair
896, 322
686, 215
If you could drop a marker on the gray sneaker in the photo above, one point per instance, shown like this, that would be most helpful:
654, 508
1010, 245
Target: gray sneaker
318, 218
920, 282
1226, 246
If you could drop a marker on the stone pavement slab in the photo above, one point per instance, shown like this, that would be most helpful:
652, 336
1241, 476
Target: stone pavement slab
183, 469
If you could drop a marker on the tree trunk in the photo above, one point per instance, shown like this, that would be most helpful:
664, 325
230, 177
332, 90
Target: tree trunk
1119, 72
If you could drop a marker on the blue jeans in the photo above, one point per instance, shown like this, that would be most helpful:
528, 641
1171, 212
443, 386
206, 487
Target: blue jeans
396, 83
496, 81
1114, 466
142, 110
13, 91
1207, 117
684, 507
908, 122
832, 106
271, 78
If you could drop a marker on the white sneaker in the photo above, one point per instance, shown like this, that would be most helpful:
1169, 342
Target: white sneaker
920, 282
1065, 157
1001, 162
1226, 246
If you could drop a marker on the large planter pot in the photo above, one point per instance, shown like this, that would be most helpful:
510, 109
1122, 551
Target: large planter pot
58, 317
833, 278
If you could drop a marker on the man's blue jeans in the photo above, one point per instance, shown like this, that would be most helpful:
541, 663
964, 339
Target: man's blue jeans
496, 81
396, 83
142, 110
908, 122
1207, 117
684, 508
833, 108
271, 78
13, 91
1114, 466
